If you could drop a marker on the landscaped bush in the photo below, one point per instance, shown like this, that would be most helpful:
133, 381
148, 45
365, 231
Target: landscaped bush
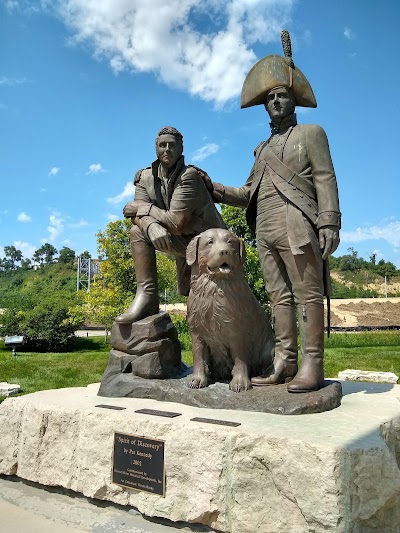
45, 325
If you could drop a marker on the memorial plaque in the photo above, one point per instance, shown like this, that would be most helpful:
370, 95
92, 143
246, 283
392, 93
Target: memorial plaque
215, 421
138, 463
116, 407
155, 412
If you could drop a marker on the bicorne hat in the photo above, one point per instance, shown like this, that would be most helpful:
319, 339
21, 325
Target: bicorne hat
277, 71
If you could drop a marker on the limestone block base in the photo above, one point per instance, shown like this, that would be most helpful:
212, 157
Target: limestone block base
337, 471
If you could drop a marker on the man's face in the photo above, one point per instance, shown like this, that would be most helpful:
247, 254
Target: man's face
169, 149
279, 103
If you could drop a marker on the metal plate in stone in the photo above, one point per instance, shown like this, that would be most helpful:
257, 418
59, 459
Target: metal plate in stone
214, 421
138, 463
167, 414
116, 407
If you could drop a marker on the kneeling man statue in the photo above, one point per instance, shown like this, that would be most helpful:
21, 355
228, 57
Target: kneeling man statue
172, 205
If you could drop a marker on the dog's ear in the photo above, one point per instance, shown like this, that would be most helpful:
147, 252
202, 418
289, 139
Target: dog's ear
191, 250
242, 251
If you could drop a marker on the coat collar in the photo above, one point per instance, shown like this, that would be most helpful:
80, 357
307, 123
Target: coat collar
282, 126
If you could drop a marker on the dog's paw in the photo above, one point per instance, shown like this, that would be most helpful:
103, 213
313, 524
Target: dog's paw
240, 384
197, 382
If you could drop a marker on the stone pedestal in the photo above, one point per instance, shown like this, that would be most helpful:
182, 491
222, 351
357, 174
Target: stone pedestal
148, 348
337, 471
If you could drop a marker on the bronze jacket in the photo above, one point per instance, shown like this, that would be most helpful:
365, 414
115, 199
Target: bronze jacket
187, 208
306, 152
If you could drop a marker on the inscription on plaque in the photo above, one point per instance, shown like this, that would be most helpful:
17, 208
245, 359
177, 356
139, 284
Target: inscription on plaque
138, 463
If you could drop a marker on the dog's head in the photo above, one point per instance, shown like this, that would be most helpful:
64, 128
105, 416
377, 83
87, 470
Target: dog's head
217, 252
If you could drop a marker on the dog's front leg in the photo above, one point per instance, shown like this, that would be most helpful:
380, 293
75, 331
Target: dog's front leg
200, 351
240, 371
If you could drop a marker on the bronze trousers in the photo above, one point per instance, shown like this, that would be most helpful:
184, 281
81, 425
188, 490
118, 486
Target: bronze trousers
176, 245
289, 279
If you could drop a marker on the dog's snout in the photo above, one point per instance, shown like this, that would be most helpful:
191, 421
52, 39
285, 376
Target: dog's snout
224, 251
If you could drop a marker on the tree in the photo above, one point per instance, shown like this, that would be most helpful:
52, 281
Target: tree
67, 255
45, 254
85, 255
12, 254
234, 218
100, 305
26, 264
385, 268
350, 262
114, 248
45, 323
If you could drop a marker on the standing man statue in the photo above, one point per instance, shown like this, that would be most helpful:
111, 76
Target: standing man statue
172, 205
292, 206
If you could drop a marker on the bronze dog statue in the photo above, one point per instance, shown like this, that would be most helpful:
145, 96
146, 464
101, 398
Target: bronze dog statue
231, 335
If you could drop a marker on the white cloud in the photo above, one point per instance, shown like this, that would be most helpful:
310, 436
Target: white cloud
349, 34
388, 231
94, 168
55, 227
205, 151
127, 193
81, 224
23, 217
54, 171
12, 82
169, 38
11, 4
112, 218
27, 249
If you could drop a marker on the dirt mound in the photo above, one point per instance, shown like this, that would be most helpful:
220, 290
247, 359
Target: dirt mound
366, 312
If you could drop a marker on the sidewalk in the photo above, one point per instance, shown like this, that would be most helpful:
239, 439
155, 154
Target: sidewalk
29, 507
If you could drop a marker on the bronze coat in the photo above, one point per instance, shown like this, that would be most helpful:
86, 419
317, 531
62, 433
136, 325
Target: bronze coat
306, 152
190, 209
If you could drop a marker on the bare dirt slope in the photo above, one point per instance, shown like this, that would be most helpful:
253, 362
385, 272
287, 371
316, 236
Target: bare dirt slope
350, 312
365, 312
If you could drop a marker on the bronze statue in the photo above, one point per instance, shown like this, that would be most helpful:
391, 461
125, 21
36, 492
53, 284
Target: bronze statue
292, 206
231, 334
172, 205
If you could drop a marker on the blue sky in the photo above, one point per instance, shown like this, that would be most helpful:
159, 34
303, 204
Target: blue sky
86, 84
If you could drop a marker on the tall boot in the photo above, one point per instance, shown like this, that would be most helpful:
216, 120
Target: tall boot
146, 301
284, 367
311, 325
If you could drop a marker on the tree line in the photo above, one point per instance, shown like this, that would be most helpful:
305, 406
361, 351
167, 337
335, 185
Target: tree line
351, 262
45, 255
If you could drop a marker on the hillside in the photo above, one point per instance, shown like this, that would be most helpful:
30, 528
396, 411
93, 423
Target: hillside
358, 298
18, 286
363, 284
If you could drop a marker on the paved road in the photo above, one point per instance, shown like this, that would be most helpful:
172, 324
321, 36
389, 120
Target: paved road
30, 508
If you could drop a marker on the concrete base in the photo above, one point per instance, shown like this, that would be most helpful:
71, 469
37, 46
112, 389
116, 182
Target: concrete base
337, 471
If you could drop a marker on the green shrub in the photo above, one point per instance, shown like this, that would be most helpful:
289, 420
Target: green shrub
46, 326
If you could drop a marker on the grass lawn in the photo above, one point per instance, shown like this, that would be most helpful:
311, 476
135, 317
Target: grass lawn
86, 364
39, 371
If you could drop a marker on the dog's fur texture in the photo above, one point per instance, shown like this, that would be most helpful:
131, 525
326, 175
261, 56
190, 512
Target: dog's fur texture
231, 334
